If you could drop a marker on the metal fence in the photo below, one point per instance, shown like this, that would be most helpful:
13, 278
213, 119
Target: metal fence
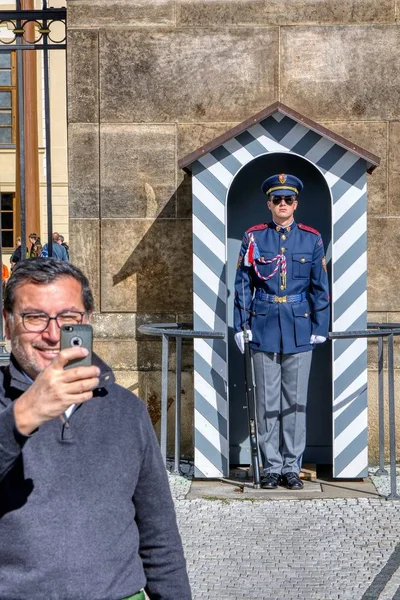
177, 331
381, 331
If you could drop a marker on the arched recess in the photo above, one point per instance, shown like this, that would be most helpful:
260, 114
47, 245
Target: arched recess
246, 206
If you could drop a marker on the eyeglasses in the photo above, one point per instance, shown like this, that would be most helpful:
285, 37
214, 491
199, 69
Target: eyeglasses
38, 322
287, 199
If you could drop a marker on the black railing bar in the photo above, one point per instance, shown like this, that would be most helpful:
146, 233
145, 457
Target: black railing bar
178, 404
151, 330
34, 15
364, 333
392, 422
381, 411
53, 46
384, 325
164, 398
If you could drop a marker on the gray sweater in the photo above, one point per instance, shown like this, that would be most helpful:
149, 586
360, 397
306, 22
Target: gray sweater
85, 507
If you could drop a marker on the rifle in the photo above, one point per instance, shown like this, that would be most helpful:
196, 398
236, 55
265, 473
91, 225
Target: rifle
251, 404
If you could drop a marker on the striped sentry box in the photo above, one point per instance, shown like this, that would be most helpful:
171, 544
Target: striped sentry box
344, 166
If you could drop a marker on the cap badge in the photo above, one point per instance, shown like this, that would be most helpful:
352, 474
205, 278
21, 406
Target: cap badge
282, 178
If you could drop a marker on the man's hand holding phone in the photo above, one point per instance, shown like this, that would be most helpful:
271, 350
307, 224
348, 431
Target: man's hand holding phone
55, 389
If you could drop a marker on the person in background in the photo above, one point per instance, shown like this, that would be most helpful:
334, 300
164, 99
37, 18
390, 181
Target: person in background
16, 256
58, 250
63, 243
36, 246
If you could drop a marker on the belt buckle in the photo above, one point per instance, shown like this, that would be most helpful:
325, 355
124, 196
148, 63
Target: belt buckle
280, 299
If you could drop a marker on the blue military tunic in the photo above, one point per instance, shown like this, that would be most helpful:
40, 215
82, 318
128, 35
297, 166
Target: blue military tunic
298, 259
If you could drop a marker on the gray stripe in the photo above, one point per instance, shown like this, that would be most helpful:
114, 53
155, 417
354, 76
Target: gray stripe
358, 209
349, 398
350, 413
342, 345
209, 258
278, 130
331, 157
213, 185
352, 294
226, 159
250, 143
211, 414
216, 303
355, 173
339, 189
306, 143
351, 451
355, 369
197, 168
210, 375
211, 453
350, 256
209, 219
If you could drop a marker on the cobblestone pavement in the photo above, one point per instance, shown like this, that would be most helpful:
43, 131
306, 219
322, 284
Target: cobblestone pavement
342, 549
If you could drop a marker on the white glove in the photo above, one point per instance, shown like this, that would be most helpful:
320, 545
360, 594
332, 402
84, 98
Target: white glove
317, 339
239, 339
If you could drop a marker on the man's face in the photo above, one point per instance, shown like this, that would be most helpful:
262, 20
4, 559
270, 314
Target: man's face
282, 211
34, 351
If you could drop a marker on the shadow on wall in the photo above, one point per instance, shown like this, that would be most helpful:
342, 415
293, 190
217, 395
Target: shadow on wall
161, 265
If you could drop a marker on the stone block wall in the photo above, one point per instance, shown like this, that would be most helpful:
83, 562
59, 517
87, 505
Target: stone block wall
150, 81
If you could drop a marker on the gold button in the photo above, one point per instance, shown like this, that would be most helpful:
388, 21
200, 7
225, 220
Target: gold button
284, 237
306, 314
282, 287
283, 249
303, 260
262, 258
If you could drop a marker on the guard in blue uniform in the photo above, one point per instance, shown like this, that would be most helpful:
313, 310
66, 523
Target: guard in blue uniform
282, 296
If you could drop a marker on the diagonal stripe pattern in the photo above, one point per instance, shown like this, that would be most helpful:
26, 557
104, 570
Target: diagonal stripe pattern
345, 174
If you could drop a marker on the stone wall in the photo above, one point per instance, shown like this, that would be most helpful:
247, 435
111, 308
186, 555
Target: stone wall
151, 80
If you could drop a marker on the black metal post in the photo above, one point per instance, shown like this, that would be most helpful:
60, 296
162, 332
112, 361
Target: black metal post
164, 398
392, 421
47, 136
381, 411
178, 404
21, 132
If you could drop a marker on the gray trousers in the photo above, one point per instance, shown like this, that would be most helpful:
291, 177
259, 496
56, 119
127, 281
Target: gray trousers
281, 397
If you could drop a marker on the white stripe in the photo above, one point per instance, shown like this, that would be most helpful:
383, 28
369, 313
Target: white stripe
346, 280
349, 434
263, 137
344, 164
211, 434
217, 169
348, 357
351, 314
209, 394
278, 116
356, 466
238, 151
205, 467
208, 199
211, 358
319, 150
345, 202
207, 314
331, 179
357, 384
211, 280
294, 136
350, 236
208, 238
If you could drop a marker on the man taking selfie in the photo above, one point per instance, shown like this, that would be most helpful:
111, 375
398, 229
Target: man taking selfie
85, 507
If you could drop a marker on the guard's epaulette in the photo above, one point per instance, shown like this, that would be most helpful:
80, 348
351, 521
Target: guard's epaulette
258, 227
307, 228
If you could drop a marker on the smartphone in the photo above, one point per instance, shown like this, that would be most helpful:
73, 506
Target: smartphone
77, 335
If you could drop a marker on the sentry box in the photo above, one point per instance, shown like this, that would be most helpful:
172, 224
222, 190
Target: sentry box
226, 177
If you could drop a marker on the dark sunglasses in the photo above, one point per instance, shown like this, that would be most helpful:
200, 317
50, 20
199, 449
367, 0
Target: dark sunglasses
276, 200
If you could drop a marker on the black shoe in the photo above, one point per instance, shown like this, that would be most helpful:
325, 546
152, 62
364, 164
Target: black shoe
270, 481
292, 481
